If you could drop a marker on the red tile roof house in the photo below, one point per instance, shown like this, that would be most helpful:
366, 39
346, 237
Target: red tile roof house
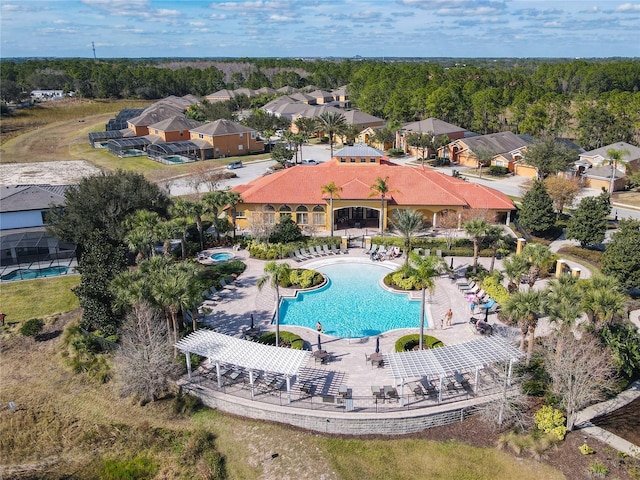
226, 139
297, 192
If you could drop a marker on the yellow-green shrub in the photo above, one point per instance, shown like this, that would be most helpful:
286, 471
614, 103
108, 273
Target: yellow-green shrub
495, 290
551, 420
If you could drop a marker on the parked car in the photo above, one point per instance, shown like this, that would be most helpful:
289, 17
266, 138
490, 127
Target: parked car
234, 165
309, 161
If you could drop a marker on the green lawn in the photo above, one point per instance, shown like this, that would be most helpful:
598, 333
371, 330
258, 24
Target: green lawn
38, 298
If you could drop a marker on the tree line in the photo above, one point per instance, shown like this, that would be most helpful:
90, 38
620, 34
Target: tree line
597, 101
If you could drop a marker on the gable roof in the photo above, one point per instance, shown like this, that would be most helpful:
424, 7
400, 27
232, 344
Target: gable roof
155, 113
221, 127
222, 94
498, 143
22, 198
410, 186
634, 152
358, 117
603, 172
175, 124
432, 125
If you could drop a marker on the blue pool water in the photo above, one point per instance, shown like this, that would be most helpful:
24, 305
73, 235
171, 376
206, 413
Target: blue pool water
30, 273
353, 304
221, 257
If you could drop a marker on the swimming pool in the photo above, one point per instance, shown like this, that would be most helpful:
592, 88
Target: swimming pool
221, 256
30, 273
352, 304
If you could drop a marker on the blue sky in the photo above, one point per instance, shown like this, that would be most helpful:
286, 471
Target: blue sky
316, 28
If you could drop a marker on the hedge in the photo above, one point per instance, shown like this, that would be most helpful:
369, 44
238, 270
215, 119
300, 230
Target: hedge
287, 339
409, 342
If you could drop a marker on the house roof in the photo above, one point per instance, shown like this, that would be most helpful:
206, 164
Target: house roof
320, 94
223, 94
302, 97
340, 91
498, 143
175, 124
287, 89
221, 127
432, 125
409, 186
358, 150
265, 90
245, 91
603, 172
357, 117
155, 113
22, 198
634, 152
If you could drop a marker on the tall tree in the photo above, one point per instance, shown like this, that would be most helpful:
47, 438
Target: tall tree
143, 233
621, 258
562, 191
536, 211
333, 191
476, 229
381, 188
496, 238
524, 308
581, 375
540, 259
408, 222
549, 157
589, 222
515, 266
281, 154
331, 123
274, 274
562, 303
424, 269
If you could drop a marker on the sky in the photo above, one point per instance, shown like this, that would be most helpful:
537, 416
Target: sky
320, 28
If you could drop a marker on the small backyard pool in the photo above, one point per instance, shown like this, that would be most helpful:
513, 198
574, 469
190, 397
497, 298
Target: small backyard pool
31, 273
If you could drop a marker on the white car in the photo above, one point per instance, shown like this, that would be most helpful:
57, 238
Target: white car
309, 161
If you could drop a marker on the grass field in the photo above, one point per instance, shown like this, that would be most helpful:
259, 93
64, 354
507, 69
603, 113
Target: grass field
39, 298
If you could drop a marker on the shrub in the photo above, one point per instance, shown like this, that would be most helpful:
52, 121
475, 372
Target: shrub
287, 339
586, 449
592, 256
409, 342
31, 327
598, 470
551, 420
323, 139
304, 278
395, 152
493, 287
138, 467
498, 171
441, 162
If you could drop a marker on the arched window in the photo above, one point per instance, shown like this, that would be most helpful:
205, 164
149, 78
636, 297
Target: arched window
319, 215
302, 215
269, 215
285, 209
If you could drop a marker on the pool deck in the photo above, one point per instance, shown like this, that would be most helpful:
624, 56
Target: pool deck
231, 316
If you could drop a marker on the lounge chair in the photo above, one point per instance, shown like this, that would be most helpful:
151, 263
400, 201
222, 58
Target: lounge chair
300, 256
367, 251
293, 257
319, 251
427, 252
343, 250
374, 249
325, 249
304, 253
471, 291
335, 250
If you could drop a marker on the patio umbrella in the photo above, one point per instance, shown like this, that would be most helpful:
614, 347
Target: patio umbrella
252, 321
452, 262
378, 345
486, 315
319, 343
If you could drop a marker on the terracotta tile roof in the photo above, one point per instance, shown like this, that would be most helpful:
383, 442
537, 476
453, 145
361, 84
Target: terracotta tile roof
409, 186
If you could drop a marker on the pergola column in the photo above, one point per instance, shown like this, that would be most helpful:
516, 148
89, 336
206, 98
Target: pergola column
440, 388
218, 376
251, 382
288, 388
475, 384
188, 359
435, 219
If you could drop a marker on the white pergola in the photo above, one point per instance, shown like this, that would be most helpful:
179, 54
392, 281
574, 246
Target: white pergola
451, 360
252, 356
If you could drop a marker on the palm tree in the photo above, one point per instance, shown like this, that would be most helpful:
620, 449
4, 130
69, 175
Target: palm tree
540, 258
274, 273
425, 269
524, 307
615, 157
334, 192
142, 233
515, 266
476, 228
216, 201
181, 213
299, 139
381, 187
331, 123
601, 299
497, 240
408, 222
562, 304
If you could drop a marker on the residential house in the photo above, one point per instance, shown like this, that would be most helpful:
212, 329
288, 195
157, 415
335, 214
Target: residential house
367, 136
227, 139
504, 148
173, 129
23, 236
429, 125
297, 192
600, 158
220, 96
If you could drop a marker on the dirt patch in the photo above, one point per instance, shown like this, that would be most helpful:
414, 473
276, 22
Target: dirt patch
52, 173
627, 198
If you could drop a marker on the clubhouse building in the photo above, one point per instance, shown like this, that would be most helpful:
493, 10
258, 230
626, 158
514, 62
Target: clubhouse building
298, 192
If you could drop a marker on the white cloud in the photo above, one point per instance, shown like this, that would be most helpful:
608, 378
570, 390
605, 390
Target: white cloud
628, 7
218, 16
281, 18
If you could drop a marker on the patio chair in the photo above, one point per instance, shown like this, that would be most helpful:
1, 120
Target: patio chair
300, 256
334, 249
343, 250
325, 249
319, 251
293, 257
367, 251
304, 253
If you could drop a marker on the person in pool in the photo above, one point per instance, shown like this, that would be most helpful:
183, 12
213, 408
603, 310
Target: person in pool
319, 327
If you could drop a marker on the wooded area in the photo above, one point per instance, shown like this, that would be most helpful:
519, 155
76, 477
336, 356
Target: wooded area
596, 102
